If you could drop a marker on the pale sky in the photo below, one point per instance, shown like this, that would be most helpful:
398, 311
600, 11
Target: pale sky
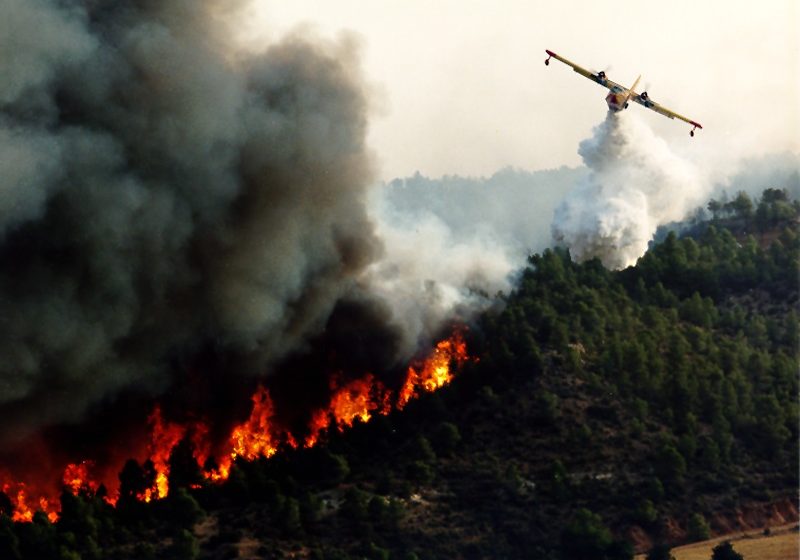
463, 88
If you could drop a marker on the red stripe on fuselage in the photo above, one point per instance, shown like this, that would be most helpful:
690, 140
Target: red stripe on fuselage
616, 101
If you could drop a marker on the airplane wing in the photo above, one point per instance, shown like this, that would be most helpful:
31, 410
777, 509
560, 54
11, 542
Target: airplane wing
621, 102
598, 77
644, 100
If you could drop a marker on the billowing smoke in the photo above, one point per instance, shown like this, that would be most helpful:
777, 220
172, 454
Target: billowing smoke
511, 210
180, 219
165, 197
451, 243
430, 272
635, 184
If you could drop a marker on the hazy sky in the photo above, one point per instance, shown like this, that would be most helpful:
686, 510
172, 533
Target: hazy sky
463, 88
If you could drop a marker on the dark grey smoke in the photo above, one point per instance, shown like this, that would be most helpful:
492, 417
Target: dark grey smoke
160, 193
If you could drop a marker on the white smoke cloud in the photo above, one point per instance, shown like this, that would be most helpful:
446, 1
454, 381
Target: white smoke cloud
429, 273
635, 184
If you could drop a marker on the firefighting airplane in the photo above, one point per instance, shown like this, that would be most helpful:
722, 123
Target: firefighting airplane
619, 96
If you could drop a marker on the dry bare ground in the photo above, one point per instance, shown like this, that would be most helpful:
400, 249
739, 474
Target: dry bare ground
781, 544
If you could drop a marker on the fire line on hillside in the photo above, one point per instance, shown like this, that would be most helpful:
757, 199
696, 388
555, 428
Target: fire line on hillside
351, 401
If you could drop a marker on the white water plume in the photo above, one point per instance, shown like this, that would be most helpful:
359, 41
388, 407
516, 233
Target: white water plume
636, 183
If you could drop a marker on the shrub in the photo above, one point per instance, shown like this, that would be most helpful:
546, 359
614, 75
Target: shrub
420, 472
725, 551
660, 552
184, 511
585, 537
185, 546
698, 528
646, 513
290, 518
446, 438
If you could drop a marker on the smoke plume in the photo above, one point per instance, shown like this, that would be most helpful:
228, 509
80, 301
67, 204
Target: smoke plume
163, 195
635, 183
430, 272
180, 219
510, 211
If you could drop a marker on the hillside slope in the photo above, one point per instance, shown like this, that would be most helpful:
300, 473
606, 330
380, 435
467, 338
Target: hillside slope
602, 410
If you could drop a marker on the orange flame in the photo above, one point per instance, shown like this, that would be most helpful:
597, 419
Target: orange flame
76, 477
165, 436
21, 510
260, 435
434, 372
256, 438
357, 399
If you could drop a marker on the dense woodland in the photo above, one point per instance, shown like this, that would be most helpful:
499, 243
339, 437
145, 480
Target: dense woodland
651, 398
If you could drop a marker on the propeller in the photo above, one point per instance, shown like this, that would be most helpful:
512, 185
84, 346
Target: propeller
607, 69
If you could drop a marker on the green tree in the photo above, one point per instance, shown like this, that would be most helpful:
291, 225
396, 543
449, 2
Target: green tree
9, 543
6, 506
38, 539
697, 311
660, 552
378, 510
237, 487
585, 537
319, 465
354, 506
725, 551
395, 514
619, 550
654, 489
184, 546
670, 464
709, 455
559, 481
373, 551
291, 518
698, 529
770, 431
422, 450
64, 553
310, 508
145, 551
184, 511
646, 513
446, 438
76, 516
742, 206
715, 207
134, 480
421, 472
336, 468
184, 471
